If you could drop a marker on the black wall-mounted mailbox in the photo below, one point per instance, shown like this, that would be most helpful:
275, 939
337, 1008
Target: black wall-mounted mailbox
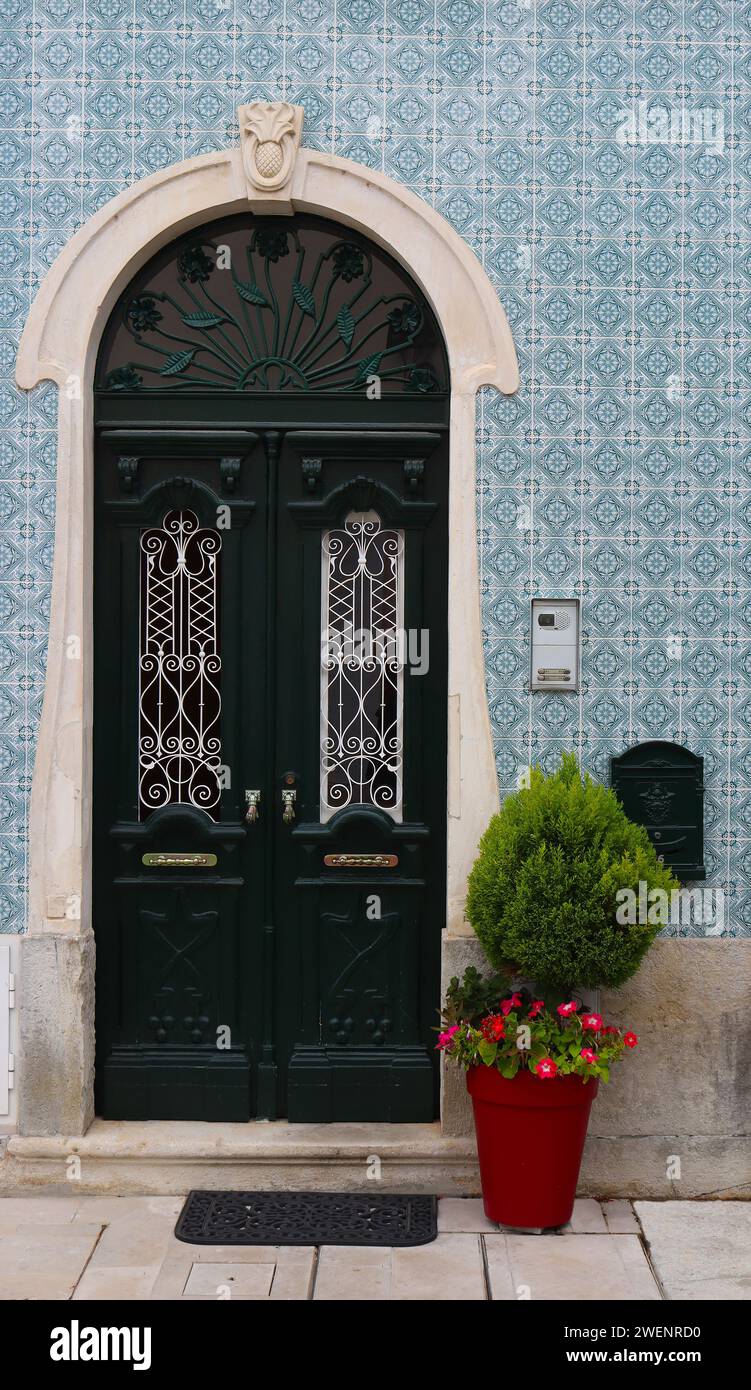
661, 786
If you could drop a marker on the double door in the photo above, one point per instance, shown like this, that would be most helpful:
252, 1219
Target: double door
269, 772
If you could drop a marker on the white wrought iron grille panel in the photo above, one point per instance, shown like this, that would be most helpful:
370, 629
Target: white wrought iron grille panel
179, 747
362, 666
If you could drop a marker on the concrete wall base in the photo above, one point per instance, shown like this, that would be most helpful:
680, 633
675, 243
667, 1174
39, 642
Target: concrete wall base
56, 1033
675, 1121
164, 1158
715, 1167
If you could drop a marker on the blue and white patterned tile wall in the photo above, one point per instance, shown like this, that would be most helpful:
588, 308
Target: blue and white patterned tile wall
597, 156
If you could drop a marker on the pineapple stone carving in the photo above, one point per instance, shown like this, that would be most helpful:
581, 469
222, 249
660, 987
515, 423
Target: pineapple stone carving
270, 137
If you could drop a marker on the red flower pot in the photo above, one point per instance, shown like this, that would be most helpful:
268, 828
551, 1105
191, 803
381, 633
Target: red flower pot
530, 1139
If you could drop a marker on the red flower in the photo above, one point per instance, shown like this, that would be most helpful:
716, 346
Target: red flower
630, 1039
565, 1009
610, 1032
509, 1004
493, 1028
546, 1067
588, 1055
536, 1007
592, 1022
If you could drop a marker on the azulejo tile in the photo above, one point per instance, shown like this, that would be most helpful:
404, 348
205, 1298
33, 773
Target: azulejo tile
619, 464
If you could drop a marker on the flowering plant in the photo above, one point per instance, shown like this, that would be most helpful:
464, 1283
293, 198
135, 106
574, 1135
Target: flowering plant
520, 1032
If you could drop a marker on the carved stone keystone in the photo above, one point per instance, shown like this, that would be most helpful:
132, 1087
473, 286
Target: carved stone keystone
270, 138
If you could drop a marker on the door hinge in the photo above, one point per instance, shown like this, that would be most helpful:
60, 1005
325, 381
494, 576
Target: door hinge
11, 991
11, 1070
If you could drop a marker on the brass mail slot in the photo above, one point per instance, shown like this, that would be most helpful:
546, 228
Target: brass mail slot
361, 861
178, 860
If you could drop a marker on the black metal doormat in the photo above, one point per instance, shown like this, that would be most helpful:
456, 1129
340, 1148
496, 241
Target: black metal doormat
306, 1218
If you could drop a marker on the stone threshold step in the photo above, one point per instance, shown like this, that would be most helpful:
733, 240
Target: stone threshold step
168, 1157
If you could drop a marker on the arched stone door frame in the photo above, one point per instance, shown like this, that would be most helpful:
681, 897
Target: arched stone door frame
269, 173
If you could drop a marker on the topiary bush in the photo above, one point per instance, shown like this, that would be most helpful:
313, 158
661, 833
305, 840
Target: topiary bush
542, 892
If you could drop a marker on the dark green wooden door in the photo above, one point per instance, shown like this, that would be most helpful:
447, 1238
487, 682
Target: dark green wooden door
178, 718
269, 771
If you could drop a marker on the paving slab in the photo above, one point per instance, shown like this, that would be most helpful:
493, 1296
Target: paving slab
194, 1272
115, 1209
45, 1262
44, 1211
450, 1268
580, 1267
463, 1214
587, 1218
230, 1280
74, 1246
701, 1249
139, 1238
353, 1273
127, 1282
620, 1218
242, 1254
468, 1214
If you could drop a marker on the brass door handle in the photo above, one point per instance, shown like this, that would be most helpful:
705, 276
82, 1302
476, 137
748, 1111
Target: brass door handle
252, 800
289, 798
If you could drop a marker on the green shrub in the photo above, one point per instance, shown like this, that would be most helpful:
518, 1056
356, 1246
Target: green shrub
542, 892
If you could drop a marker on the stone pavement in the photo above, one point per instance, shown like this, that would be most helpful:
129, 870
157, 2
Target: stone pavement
72, 1247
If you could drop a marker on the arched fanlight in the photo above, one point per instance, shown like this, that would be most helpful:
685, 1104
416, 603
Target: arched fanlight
272, 305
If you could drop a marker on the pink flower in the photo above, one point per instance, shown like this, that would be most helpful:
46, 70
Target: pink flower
588, 1055
565, 1009
509, 1004
630, 1039
592, 1022
546, 1067
445, 1039
536, 1007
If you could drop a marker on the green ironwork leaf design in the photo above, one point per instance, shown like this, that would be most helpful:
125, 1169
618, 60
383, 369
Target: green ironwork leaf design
368, 366
304, 298
202, 320
177, 363
346, 324
312, 313
251, 294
